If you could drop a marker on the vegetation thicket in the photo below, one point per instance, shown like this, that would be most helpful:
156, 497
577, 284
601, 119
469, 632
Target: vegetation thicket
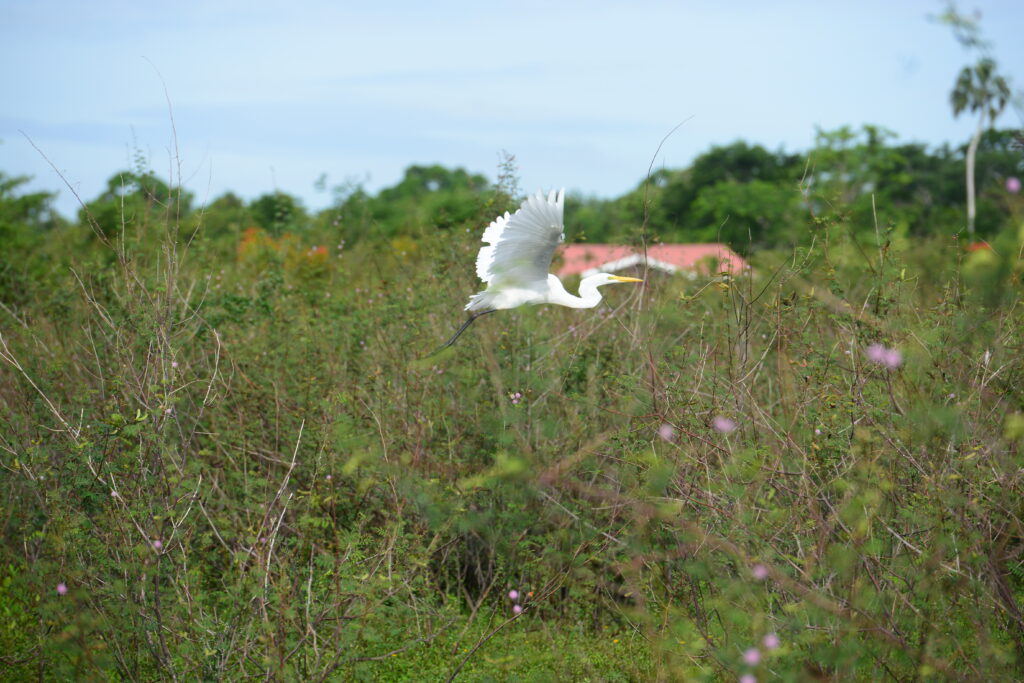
226, 455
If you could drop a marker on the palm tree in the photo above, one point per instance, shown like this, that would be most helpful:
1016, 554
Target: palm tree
980, 89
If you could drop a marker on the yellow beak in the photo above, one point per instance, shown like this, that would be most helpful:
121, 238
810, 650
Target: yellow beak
619, 278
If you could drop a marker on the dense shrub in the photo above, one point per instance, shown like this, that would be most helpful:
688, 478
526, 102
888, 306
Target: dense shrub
231, 455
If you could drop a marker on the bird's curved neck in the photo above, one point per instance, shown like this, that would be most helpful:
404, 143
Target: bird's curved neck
588, 298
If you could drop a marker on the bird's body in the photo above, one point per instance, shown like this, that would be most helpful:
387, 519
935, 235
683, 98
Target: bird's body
517, 255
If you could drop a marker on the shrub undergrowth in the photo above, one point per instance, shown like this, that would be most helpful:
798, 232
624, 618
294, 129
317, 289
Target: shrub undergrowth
235, 458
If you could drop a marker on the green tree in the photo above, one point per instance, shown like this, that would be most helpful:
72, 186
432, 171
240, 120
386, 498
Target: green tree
32, 211
278, 213
747, 215
225, 215
131, 198
982, 91
738, 162
863, 177
978, 89
427, 198
25, 218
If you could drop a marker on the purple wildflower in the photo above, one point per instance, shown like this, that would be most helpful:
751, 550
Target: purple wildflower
752, 656
876, 353
667, 432
1013, 185
723, 424
771, 641
759, 572
61, 588
513, 594
517, 609
890, 358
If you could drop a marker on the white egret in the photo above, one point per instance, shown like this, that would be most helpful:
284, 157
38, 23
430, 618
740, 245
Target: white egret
515, 261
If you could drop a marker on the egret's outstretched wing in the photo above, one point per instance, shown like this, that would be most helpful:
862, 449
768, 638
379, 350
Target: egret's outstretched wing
521, 245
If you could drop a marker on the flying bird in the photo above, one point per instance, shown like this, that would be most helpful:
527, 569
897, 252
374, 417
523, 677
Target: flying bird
515, 260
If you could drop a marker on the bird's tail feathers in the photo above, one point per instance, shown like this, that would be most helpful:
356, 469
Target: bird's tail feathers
478, 301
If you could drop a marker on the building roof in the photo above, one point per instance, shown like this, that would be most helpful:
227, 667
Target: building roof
587, 259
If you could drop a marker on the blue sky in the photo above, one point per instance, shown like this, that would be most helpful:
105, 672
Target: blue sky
270, 95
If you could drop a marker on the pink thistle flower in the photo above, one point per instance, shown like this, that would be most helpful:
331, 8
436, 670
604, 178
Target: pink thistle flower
61, 588
771, 641
748, 678
752, 656
893, 359
876, 353
517, 609
174, 363
158, 544
513, 594
1013, 185
667, 432
759, 572
890, 358
723, 424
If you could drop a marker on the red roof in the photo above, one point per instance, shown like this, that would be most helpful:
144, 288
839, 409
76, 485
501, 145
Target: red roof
584, 258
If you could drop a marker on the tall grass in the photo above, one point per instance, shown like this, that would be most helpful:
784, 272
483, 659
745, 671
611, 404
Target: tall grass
235, 460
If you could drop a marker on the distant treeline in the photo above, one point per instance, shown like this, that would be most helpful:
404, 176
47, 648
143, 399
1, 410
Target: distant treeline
741, 194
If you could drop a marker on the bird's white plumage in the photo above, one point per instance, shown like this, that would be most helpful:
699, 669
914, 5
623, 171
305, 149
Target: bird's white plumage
518, 252
515, 260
